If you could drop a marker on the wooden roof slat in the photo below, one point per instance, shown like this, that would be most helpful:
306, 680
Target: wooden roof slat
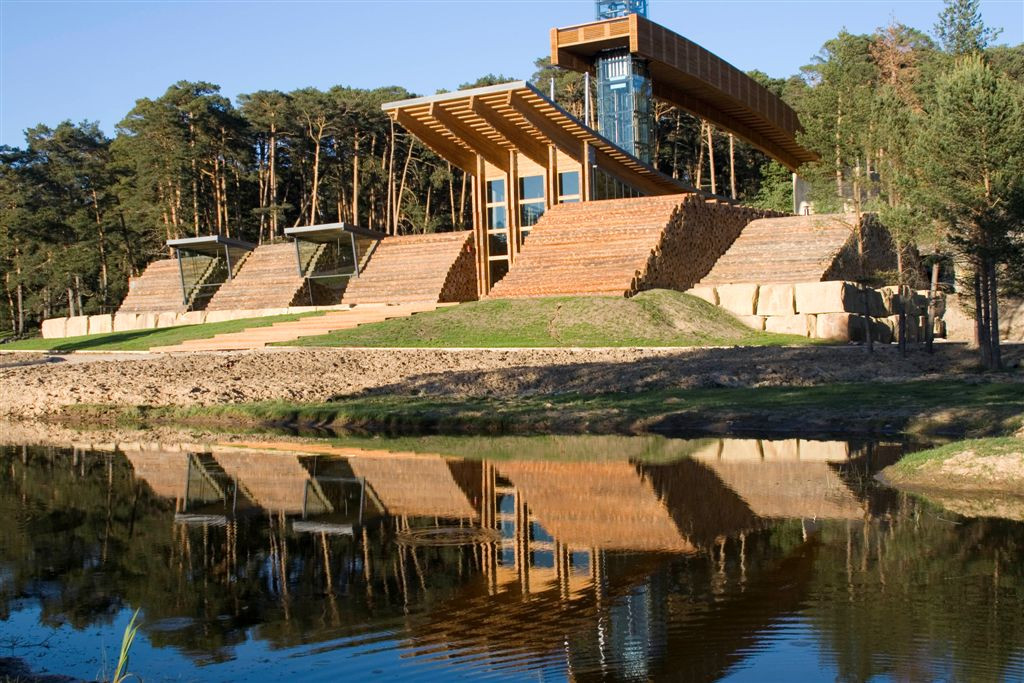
451, 151
519, 138
488, 149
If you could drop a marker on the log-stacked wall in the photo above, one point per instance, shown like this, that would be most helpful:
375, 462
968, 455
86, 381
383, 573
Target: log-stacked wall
623, 246
693, 240
805, 249
411, 268
157, 289
268, 277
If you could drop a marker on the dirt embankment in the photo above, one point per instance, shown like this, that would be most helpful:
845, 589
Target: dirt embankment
323, 374
972, 478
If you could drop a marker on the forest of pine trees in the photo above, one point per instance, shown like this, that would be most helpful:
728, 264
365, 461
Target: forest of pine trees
80, 212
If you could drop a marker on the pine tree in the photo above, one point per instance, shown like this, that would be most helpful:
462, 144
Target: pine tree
960, 29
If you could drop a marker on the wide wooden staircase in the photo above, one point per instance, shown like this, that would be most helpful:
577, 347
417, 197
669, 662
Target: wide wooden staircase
436, 267
588, 248
784, 250
157, 289
268, 277
257, 337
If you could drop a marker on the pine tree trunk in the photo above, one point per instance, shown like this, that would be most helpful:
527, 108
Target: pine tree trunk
316, 176
401, 189
355, 180
700, 157
711, 159
980, 319
273, 182
993, 295
732, 166
101, 246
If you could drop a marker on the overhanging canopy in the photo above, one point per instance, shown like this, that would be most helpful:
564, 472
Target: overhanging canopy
688, 76
209, 245
496, 120
330, 232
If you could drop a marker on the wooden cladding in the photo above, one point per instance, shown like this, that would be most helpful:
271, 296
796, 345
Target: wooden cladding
690, 77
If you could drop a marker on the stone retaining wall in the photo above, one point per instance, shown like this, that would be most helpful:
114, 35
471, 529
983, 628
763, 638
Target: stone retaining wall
81, 325
836, 311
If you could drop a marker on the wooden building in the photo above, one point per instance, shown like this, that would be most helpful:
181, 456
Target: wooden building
525, 154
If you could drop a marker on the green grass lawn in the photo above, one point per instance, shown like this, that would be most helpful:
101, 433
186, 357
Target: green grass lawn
654, 318
141, 340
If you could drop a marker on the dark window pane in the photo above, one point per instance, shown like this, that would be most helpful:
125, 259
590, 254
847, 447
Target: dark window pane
529, 214
568, 183
496, 217
532, 187
498, 244
495, 191
498, 270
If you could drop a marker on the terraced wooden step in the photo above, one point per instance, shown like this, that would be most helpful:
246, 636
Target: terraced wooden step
157, 289
267, 278
409, 268
312, 326
790, 249
588, 248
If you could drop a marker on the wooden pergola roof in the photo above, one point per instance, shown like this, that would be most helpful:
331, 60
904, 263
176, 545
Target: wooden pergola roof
688, 76
495, 120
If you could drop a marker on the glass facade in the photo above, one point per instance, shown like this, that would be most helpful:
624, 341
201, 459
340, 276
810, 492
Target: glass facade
497, 231
607, 186
625, 112
531, 202
610, 9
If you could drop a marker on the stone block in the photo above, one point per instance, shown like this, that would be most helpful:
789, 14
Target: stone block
786, 449
915, 330
919, 301
776, 300
740, 450
824, 451
881, 332
828, 297
126, 322
101, 324
754, 322
876, 306
166, 319
709, 294
77, 326
738, 299
191, 318
798, 324
223, 316
55, 328
146, 321
841, 327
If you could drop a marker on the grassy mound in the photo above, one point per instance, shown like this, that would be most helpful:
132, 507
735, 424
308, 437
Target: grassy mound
142, 340
654, 318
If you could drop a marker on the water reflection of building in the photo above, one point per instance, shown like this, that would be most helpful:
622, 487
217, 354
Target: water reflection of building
581, 548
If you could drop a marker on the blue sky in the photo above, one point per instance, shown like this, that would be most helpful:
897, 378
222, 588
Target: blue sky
92, 60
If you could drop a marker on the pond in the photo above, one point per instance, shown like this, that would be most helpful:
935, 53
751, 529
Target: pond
554, 558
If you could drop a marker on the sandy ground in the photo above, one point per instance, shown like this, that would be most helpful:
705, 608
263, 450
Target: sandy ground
322, 374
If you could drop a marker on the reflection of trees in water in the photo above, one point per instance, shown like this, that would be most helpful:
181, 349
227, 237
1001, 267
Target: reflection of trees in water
922, 585
84, 539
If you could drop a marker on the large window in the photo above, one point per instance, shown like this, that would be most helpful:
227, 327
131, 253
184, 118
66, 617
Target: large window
531, 202
497, 230
607, 186
568, 187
